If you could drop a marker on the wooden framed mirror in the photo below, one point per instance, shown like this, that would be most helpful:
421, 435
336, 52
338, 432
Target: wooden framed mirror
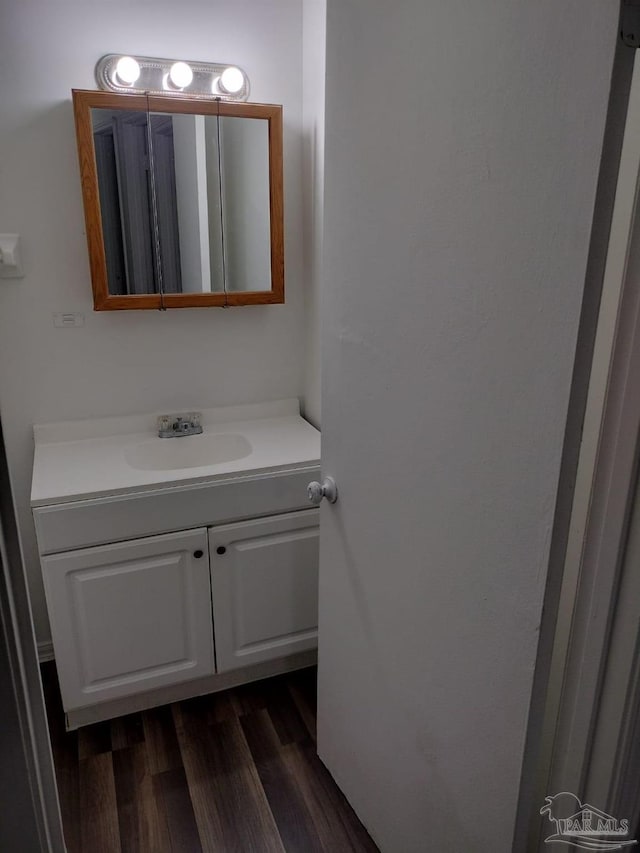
183, 200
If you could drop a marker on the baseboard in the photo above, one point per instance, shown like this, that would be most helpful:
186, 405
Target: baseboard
45, 651
111, 708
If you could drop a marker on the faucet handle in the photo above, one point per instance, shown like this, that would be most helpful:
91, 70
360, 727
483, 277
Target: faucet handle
170, 426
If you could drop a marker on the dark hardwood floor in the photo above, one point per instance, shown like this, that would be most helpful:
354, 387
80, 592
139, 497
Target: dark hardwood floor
232, 772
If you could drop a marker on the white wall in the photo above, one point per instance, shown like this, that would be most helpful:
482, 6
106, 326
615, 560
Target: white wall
126, 361
462, 154
313, 66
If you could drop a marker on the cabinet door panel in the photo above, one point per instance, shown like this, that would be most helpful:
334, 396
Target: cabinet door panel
265, 588
130, 617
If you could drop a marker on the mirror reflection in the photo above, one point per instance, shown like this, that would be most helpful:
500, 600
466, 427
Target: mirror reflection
184, 201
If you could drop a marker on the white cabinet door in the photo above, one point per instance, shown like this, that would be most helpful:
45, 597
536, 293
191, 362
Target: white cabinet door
130, 617
264, 577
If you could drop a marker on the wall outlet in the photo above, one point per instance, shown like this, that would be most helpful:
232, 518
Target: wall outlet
69, 319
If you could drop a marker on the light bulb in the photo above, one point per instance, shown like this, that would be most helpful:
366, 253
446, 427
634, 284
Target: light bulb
127, 70
231, 80
180, 75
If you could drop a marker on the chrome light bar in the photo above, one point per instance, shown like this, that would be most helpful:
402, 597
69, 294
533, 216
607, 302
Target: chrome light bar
117, 72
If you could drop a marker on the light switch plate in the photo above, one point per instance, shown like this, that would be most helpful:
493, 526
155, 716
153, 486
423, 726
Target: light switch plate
63, 320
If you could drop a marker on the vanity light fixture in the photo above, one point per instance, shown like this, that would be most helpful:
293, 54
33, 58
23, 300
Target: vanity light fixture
151, 75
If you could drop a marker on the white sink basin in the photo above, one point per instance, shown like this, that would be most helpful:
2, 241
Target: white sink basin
192, 451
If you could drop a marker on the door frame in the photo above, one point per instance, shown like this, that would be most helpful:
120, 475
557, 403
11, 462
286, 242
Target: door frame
604, 490
16, 628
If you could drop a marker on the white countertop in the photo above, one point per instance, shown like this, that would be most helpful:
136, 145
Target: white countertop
80, 460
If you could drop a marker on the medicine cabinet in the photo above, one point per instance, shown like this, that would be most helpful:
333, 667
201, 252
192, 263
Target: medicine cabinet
183, 200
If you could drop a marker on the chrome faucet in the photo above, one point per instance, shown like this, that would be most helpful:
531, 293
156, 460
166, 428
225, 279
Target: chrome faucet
175, 426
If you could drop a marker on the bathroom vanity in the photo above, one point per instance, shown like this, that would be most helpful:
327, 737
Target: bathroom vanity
176, 567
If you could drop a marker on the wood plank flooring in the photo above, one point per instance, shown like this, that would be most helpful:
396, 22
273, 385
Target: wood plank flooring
232, 772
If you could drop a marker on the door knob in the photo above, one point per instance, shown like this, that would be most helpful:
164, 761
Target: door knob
326, 489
